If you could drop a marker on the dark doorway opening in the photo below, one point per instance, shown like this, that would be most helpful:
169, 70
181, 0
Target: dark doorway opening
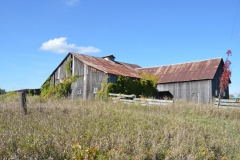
166, 95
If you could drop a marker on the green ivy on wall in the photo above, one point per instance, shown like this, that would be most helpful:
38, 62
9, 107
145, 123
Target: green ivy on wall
146, 86
103, 93
61, 89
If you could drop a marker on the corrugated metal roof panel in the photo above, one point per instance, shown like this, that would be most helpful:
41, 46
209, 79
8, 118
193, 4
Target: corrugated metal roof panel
108, 66
199, 70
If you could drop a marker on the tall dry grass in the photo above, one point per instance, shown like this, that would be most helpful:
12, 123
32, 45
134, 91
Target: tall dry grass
66, 129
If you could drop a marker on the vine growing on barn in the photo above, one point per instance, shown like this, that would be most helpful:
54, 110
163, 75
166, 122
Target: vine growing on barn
146, 86
103, 93
225, 78
61, 89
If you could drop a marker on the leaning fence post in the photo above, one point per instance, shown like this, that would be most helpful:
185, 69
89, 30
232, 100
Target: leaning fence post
23, 102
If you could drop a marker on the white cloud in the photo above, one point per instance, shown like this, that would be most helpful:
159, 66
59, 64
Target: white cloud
59, 45
71, 2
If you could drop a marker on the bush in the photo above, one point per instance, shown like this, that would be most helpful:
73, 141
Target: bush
146, 86
9, 96
2, 91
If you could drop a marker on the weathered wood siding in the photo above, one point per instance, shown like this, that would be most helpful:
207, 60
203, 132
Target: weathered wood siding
216, 82
90, 79
199, 91
59, 73
95, 78
112, 78
77, 87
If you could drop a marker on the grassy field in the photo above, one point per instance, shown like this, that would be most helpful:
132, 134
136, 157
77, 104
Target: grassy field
65, 129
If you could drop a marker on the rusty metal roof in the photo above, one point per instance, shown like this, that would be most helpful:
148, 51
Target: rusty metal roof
198, 70
108, 66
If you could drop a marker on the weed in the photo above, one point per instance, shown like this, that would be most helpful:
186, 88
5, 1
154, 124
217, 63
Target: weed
107, 130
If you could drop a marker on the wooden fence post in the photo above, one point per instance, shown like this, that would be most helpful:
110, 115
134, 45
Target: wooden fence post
23, 101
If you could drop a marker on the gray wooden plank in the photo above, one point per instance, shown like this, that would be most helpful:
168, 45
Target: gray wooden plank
228, 104
226, 100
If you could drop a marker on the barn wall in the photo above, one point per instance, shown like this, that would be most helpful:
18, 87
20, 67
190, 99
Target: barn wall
95, 78
216, 82
89, 78
59, 73
112, 78
77, 86
52, 80
199, 91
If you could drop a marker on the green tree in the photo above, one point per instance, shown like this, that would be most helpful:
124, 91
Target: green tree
2, 91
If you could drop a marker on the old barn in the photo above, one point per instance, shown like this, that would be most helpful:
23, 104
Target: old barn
193, 81
92, 70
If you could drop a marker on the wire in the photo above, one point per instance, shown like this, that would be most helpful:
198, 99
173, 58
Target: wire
235, 20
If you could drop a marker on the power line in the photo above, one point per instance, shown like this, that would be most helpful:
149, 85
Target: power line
235, 19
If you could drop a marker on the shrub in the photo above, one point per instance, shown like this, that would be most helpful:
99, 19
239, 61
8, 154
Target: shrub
146, 86
9, 96
103, 93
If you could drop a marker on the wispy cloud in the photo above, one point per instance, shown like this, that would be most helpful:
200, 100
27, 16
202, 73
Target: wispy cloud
71, 2
60, 45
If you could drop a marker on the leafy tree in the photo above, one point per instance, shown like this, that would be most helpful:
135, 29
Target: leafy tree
2, 91
225, 78
231, 96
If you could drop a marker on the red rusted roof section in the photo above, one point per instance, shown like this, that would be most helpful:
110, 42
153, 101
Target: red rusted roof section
108, 66
132, 66
199, 70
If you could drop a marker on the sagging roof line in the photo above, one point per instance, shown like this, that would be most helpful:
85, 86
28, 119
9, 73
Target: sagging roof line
178, 63
110, 67
204, 69
166, 73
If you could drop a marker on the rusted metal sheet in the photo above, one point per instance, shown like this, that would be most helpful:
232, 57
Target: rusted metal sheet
108, 66
199, 70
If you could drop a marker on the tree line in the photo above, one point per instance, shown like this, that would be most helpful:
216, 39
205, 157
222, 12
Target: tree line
2, 91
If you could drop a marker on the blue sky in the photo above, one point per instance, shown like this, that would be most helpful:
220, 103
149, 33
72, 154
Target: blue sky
36, 35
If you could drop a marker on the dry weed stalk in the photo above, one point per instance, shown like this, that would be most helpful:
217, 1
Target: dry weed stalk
105, 130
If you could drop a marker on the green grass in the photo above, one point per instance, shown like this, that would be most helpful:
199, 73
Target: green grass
65, 129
